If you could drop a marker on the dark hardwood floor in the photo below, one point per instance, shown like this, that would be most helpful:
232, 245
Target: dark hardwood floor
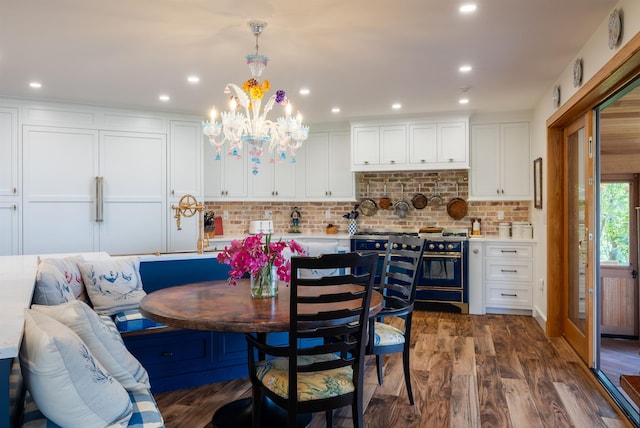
467, 371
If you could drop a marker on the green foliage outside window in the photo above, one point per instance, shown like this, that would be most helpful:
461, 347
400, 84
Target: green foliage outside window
614, 223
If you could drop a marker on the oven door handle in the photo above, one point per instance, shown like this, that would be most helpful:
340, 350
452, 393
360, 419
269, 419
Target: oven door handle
442, 256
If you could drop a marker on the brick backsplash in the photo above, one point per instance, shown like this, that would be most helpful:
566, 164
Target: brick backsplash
313, 219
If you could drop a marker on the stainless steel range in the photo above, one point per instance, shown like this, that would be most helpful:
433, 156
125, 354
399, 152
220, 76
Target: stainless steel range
443, 283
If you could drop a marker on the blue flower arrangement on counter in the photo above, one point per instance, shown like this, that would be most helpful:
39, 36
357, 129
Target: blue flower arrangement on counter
353, 214
352, 217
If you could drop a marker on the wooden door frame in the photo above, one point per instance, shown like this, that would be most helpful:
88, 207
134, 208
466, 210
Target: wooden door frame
623, 68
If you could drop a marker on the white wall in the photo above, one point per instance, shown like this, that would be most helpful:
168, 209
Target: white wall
595, 54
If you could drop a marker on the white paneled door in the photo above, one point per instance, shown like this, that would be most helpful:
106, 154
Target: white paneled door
88, 190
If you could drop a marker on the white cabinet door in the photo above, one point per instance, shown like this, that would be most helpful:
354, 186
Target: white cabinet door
500, 161
517, 169
275, 179
8, 151
135, 210
365, 145
59, 185
327, 162
423, 143
61, 193
485, 161
341, 179
452, 143
316, 165
9, 231
475, 282
185, 160
225, 177
393, 145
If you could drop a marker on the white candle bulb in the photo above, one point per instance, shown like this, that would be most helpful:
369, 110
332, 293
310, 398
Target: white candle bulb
288, 110
212, 114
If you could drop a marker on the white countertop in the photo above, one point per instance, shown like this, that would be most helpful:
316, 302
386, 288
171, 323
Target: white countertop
17, 277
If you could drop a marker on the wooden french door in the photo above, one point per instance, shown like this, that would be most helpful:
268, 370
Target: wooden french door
578, 312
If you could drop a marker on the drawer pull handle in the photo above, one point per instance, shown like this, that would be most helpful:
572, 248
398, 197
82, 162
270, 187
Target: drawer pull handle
508, 295
510, 251
167, 354
509, 270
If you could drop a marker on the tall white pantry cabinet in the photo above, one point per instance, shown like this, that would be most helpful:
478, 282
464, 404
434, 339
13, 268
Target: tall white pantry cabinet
9, 175
105, 180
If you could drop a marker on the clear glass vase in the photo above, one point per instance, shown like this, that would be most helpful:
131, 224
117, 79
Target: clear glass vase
265, 283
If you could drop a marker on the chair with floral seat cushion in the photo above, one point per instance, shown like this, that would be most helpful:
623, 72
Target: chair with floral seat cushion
399, 279
330, 313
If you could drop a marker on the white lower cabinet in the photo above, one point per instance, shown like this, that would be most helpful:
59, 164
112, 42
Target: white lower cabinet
508, 276
475, 281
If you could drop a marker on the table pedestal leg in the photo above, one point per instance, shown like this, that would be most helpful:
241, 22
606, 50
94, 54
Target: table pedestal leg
237, 414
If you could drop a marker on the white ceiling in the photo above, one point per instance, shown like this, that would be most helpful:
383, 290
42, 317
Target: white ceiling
360, 55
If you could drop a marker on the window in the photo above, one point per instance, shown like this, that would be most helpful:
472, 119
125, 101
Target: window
614, 223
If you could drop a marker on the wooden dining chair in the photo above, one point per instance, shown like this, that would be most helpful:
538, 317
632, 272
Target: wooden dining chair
399, 279
322, 367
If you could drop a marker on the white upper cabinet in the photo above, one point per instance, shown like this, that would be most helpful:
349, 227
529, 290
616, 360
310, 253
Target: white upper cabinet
327, 164
225, 177
8, 151
393, 145
185, 159
435, 144
365, 145
500, 161
274, 179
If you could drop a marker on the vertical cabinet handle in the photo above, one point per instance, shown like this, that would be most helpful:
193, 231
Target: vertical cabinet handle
99, 199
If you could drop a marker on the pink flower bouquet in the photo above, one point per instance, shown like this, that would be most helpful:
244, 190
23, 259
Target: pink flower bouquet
251, 255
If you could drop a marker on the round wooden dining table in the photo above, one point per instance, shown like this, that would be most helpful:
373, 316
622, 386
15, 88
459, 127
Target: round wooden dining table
221, 307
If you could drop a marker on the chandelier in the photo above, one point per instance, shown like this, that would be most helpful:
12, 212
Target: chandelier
246, 121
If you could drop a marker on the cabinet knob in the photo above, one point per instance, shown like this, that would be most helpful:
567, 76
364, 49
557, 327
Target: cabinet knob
329, 192
173, 192
450, 159
15, 207
422, 160
226, 192
392, 161
502, 191
273, 193
475, 251
366, 162
276, 193
15, 190
498, 191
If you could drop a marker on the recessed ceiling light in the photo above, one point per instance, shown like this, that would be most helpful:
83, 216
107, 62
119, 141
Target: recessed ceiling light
304, 91
464, 101
468, 8
35, 85
465, 68
193, 79
396, 106
335, 110
164, 98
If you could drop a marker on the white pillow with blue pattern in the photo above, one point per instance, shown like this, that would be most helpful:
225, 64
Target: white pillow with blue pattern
68, 266
67, 382
113, 285
104, 343
51, 288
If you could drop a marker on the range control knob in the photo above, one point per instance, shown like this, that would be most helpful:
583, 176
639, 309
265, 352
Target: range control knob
404, 246
395, 246
441, 246
432, 246
377, 245
386, 245
450, 247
